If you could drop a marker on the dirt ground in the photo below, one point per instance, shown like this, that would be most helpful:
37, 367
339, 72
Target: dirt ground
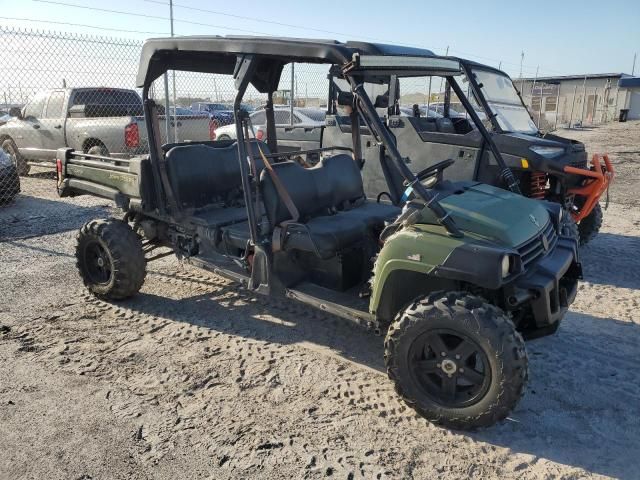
195, 379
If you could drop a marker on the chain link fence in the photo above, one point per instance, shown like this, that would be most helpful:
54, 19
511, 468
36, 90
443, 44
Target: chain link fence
79, 91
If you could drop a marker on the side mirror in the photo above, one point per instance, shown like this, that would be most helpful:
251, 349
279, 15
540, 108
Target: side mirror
15, 112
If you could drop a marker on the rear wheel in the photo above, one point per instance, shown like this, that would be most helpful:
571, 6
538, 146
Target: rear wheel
18, 160
224, 137
457, 360
110, 259
590, 225
98, 149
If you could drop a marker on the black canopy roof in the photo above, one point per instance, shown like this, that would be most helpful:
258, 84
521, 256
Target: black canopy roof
218, 54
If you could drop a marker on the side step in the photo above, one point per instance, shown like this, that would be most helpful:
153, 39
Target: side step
359, 317
307, 293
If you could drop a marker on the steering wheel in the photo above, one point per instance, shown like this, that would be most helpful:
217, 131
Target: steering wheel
433, 174
435, 169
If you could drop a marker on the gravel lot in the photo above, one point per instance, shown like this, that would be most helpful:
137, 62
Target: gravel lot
195, 379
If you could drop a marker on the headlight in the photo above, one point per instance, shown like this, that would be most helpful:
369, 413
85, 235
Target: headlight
547, 152
506, 266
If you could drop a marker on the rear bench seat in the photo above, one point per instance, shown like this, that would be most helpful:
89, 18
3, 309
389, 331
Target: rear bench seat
206, 180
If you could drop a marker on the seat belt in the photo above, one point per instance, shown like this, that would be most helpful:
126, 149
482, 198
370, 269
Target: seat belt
166, 184
280, 230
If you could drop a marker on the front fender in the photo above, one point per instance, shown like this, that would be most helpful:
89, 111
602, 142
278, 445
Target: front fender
428, 250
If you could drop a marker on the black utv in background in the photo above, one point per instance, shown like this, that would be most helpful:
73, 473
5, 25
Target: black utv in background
494, 136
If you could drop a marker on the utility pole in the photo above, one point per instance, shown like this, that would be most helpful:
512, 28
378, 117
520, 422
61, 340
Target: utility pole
441, 79
633, 69
167, 112
173, 74
521, 79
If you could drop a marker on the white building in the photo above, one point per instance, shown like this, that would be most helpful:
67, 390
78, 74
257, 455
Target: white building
581, 99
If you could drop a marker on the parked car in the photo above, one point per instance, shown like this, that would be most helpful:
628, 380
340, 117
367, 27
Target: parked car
407, 111
4, 117
456, 110
182, 112
220, 113
99, 121
9, 179
302, 117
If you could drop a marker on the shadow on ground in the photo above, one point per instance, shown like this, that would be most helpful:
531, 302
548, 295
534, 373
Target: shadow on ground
581, 406
31, 216
609, 260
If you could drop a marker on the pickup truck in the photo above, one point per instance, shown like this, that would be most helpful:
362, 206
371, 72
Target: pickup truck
100, 121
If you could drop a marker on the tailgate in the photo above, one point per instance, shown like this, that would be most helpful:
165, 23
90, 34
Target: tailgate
116, 179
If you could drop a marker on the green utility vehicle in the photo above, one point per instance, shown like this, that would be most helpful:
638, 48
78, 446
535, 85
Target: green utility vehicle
454, 278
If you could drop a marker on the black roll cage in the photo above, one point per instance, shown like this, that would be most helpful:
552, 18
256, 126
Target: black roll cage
251, 67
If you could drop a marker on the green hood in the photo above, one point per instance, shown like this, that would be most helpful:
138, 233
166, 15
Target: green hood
495, 214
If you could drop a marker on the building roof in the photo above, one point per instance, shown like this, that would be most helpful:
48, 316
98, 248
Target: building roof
629, 82
560, 78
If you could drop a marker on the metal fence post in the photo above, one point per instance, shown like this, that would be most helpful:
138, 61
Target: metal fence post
292, 93
167, 118
573, 103
555, 127
584, 100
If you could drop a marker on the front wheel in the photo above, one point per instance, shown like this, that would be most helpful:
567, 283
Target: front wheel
457, 360
590, 225
18, 160
110, 259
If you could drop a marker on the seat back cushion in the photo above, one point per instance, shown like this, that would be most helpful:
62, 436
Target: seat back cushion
445, 125
202, 174
332, 183
423, 124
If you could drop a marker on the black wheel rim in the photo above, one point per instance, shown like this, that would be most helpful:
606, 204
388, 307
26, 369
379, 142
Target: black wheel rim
450, 368
97, 263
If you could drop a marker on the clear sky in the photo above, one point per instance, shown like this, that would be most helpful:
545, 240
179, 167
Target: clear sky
561, 36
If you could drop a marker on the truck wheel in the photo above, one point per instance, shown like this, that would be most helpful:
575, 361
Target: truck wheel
457, 360
110, 259
590, 225
98, 150
19, 161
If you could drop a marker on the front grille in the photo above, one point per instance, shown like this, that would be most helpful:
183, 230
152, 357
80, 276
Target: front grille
538, 246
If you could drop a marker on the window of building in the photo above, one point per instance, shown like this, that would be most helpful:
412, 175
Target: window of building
535, 104
550, 104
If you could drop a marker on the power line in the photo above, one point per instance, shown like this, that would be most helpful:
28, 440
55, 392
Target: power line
143, 15
159, 17
261, 20
82, 25
307, 28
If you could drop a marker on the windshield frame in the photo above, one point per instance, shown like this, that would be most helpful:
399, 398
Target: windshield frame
469, 69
